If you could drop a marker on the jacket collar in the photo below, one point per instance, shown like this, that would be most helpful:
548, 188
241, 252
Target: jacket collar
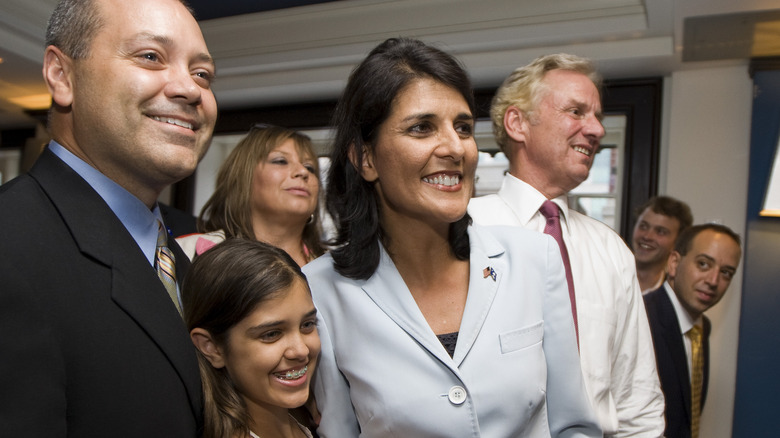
388, 290
135, 287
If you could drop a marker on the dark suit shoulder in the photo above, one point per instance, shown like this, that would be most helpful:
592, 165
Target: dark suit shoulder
88, 317
658, 304
654, 303
671, 361
655, 296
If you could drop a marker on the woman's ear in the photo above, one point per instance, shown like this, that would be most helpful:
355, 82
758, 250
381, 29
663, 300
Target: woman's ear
205, 344
57, 73
366, 167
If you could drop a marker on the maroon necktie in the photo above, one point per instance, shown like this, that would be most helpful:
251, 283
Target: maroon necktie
553, 227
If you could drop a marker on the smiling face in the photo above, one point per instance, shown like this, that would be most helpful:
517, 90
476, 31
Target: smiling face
272, 353
425, 156
285, 185
700, 278
559, 140
140, 107
654, 237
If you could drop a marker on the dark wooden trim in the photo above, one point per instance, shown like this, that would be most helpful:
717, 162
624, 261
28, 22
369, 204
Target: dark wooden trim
640, 101
15, 138
764, 64
299, 116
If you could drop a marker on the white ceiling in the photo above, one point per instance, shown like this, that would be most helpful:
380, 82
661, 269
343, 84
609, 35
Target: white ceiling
306, 53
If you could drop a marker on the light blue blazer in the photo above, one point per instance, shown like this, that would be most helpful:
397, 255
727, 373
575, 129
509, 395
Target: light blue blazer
515, 371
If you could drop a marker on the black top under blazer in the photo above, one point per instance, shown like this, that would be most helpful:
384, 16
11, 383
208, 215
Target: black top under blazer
91, 344
672, 362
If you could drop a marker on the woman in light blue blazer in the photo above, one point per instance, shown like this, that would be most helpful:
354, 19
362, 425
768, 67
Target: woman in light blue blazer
432, 327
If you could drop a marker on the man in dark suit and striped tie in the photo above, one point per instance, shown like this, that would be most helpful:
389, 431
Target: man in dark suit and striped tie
700, 270
93, 344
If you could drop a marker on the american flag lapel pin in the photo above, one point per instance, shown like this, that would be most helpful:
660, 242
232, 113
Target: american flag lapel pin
489, 272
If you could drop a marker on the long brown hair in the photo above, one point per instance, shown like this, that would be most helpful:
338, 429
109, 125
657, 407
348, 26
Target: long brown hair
228, 208
222, 287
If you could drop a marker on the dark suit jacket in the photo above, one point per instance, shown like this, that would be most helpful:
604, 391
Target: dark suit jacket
91, 344
672, 362
179, 222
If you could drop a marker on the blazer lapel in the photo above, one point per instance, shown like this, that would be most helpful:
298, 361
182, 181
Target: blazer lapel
676, 349
388, 290
706, 352
135, 286
486, 272
138, 291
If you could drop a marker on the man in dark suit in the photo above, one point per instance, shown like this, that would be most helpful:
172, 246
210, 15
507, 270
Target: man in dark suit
700, 270
93, 344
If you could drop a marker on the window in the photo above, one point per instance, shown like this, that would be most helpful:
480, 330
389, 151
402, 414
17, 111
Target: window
624, 173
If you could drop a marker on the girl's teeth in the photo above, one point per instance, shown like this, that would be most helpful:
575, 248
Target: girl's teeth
292, 375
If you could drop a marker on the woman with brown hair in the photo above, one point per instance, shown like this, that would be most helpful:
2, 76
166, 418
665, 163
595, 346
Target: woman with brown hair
267, 190
250, 315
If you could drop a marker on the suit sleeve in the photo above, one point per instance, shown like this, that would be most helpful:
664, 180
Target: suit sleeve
568, 410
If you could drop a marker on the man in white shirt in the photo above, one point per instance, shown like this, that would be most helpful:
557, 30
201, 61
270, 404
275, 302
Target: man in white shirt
661, 219
547, 120
700, 270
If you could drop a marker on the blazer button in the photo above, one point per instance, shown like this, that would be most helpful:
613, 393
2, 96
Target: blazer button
457, 395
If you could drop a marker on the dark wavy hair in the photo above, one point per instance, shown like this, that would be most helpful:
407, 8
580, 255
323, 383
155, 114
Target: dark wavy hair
222, 287
365, 104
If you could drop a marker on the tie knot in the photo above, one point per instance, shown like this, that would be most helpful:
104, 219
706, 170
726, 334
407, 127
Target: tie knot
549, 209
695, 333
162, 235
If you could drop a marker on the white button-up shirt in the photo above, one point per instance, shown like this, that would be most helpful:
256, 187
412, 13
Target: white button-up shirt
616, 348
686, 324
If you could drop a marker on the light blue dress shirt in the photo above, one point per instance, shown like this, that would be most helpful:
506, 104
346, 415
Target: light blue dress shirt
139, 221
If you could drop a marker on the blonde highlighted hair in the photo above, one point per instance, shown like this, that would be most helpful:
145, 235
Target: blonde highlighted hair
229, 207
524, 88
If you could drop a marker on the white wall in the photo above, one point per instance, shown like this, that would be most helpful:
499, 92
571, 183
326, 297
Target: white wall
706, 148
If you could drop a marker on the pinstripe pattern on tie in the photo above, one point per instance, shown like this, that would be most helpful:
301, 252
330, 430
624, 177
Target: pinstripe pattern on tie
165, 263
697, 377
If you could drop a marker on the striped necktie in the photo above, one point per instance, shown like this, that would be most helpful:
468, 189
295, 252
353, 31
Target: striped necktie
697, 377
165, 263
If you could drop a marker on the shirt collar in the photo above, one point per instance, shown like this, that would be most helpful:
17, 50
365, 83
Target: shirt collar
515, 188
139, 221
684, 318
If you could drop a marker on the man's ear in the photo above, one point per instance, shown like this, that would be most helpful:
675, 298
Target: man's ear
671, 266
58, 75
206, 345
515, 124
366, 167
